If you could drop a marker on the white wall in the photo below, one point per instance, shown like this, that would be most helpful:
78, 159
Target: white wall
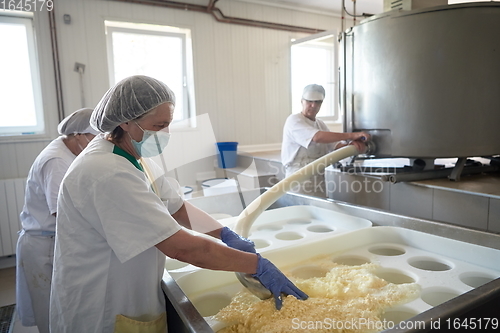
242, 74
16, 156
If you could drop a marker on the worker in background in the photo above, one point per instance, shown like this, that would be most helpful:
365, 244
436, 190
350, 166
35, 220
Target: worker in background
116, 222
35, 247
307, 138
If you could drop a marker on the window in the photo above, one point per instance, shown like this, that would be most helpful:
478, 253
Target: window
313, 61
21, 110
161, 52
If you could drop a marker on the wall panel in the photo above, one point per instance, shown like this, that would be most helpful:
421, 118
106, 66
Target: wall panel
241, 73
220, 59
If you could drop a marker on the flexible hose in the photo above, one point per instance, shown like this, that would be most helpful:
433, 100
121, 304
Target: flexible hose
248, 216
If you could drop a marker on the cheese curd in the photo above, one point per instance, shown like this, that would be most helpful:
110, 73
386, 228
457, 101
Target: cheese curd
346, 299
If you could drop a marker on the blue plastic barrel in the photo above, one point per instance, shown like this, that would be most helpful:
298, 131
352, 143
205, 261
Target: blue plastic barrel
227, 155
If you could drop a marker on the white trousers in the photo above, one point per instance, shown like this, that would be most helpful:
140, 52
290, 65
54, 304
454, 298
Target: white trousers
34, 256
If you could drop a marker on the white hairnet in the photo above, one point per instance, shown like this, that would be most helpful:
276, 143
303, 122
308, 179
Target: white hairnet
313, 92
77, 123
129, 99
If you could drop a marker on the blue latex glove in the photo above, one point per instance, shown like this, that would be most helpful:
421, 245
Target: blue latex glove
272, 278
232, 239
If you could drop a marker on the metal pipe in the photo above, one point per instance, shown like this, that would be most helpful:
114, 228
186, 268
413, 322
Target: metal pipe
342, 16
211, 5
220, 17
82, 89
170, 4
354, 12
434, 174
57, 68
343, 81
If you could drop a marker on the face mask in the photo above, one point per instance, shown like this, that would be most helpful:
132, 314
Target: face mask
152, 143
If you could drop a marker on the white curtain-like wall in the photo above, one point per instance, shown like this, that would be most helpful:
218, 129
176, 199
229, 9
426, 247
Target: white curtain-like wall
242, 74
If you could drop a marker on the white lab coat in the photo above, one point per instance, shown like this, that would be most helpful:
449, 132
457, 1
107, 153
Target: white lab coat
108, 223
42, 186
298, 150
35, 246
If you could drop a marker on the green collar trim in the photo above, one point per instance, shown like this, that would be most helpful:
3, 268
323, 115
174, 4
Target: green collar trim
118, 151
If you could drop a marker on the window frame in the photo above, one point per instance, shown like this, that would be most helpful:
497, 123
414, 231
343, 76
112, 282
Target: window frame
331, 92
39, 130
142, 28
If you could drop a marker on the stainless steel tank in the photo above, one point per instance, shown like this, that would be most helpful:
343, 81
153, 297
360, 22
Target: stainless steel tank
425, 83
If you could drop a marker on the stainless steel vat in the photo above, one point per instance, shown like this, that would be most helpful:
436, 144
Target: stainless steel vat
183, 316
425, 83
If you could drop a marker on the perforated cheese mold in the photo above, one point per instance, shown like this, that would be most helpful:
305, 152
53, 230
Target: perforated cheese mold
444, 268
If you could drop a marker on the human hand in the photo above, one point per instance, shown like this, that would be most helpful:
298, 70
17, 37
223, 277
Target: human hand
232, 239
360, 136
277, 283
360, 145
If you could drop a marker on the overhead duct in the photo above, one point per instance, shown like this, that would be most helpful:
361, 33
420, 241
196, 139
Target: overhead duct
220, 17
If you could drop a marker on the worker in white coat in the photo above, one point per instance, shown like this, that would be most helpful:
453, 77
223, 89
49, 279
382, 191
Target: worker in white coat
35, 246
307, 138
116, 223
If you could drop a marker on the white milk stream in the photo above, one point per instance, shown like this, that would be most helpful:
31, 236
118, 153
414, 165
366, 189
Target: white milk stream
248, 216
261, 203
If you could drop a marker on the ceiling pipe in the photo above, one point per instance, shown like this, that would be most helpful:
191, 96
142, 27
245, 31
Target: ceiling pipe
170, 4
354, 10
220, 17
57, 67
211, 5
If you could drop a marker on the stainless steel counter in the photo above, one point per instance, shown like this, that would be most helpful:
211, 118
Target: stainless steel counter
183, 317
487, 185
472, 202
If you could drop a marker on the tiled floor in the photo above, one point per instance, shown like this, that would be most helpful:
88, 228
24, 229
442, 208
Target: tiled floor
8, 291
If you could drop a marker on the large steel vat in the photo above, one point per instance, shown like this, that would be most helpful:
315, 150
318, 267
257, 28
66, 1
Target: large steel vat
425, 83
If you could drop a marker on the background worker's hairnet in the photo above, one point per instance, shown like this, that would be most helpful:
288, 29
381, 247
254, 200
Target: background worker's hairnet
129, 99
77, 123
313, 92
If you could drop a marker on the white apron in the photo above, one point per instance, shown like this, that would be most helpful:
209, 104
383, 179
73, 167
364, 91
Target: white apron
35, 254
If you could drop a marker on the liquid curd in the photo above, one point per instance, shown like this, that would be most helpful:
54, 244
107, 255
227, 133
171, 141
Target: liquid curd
341, 299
